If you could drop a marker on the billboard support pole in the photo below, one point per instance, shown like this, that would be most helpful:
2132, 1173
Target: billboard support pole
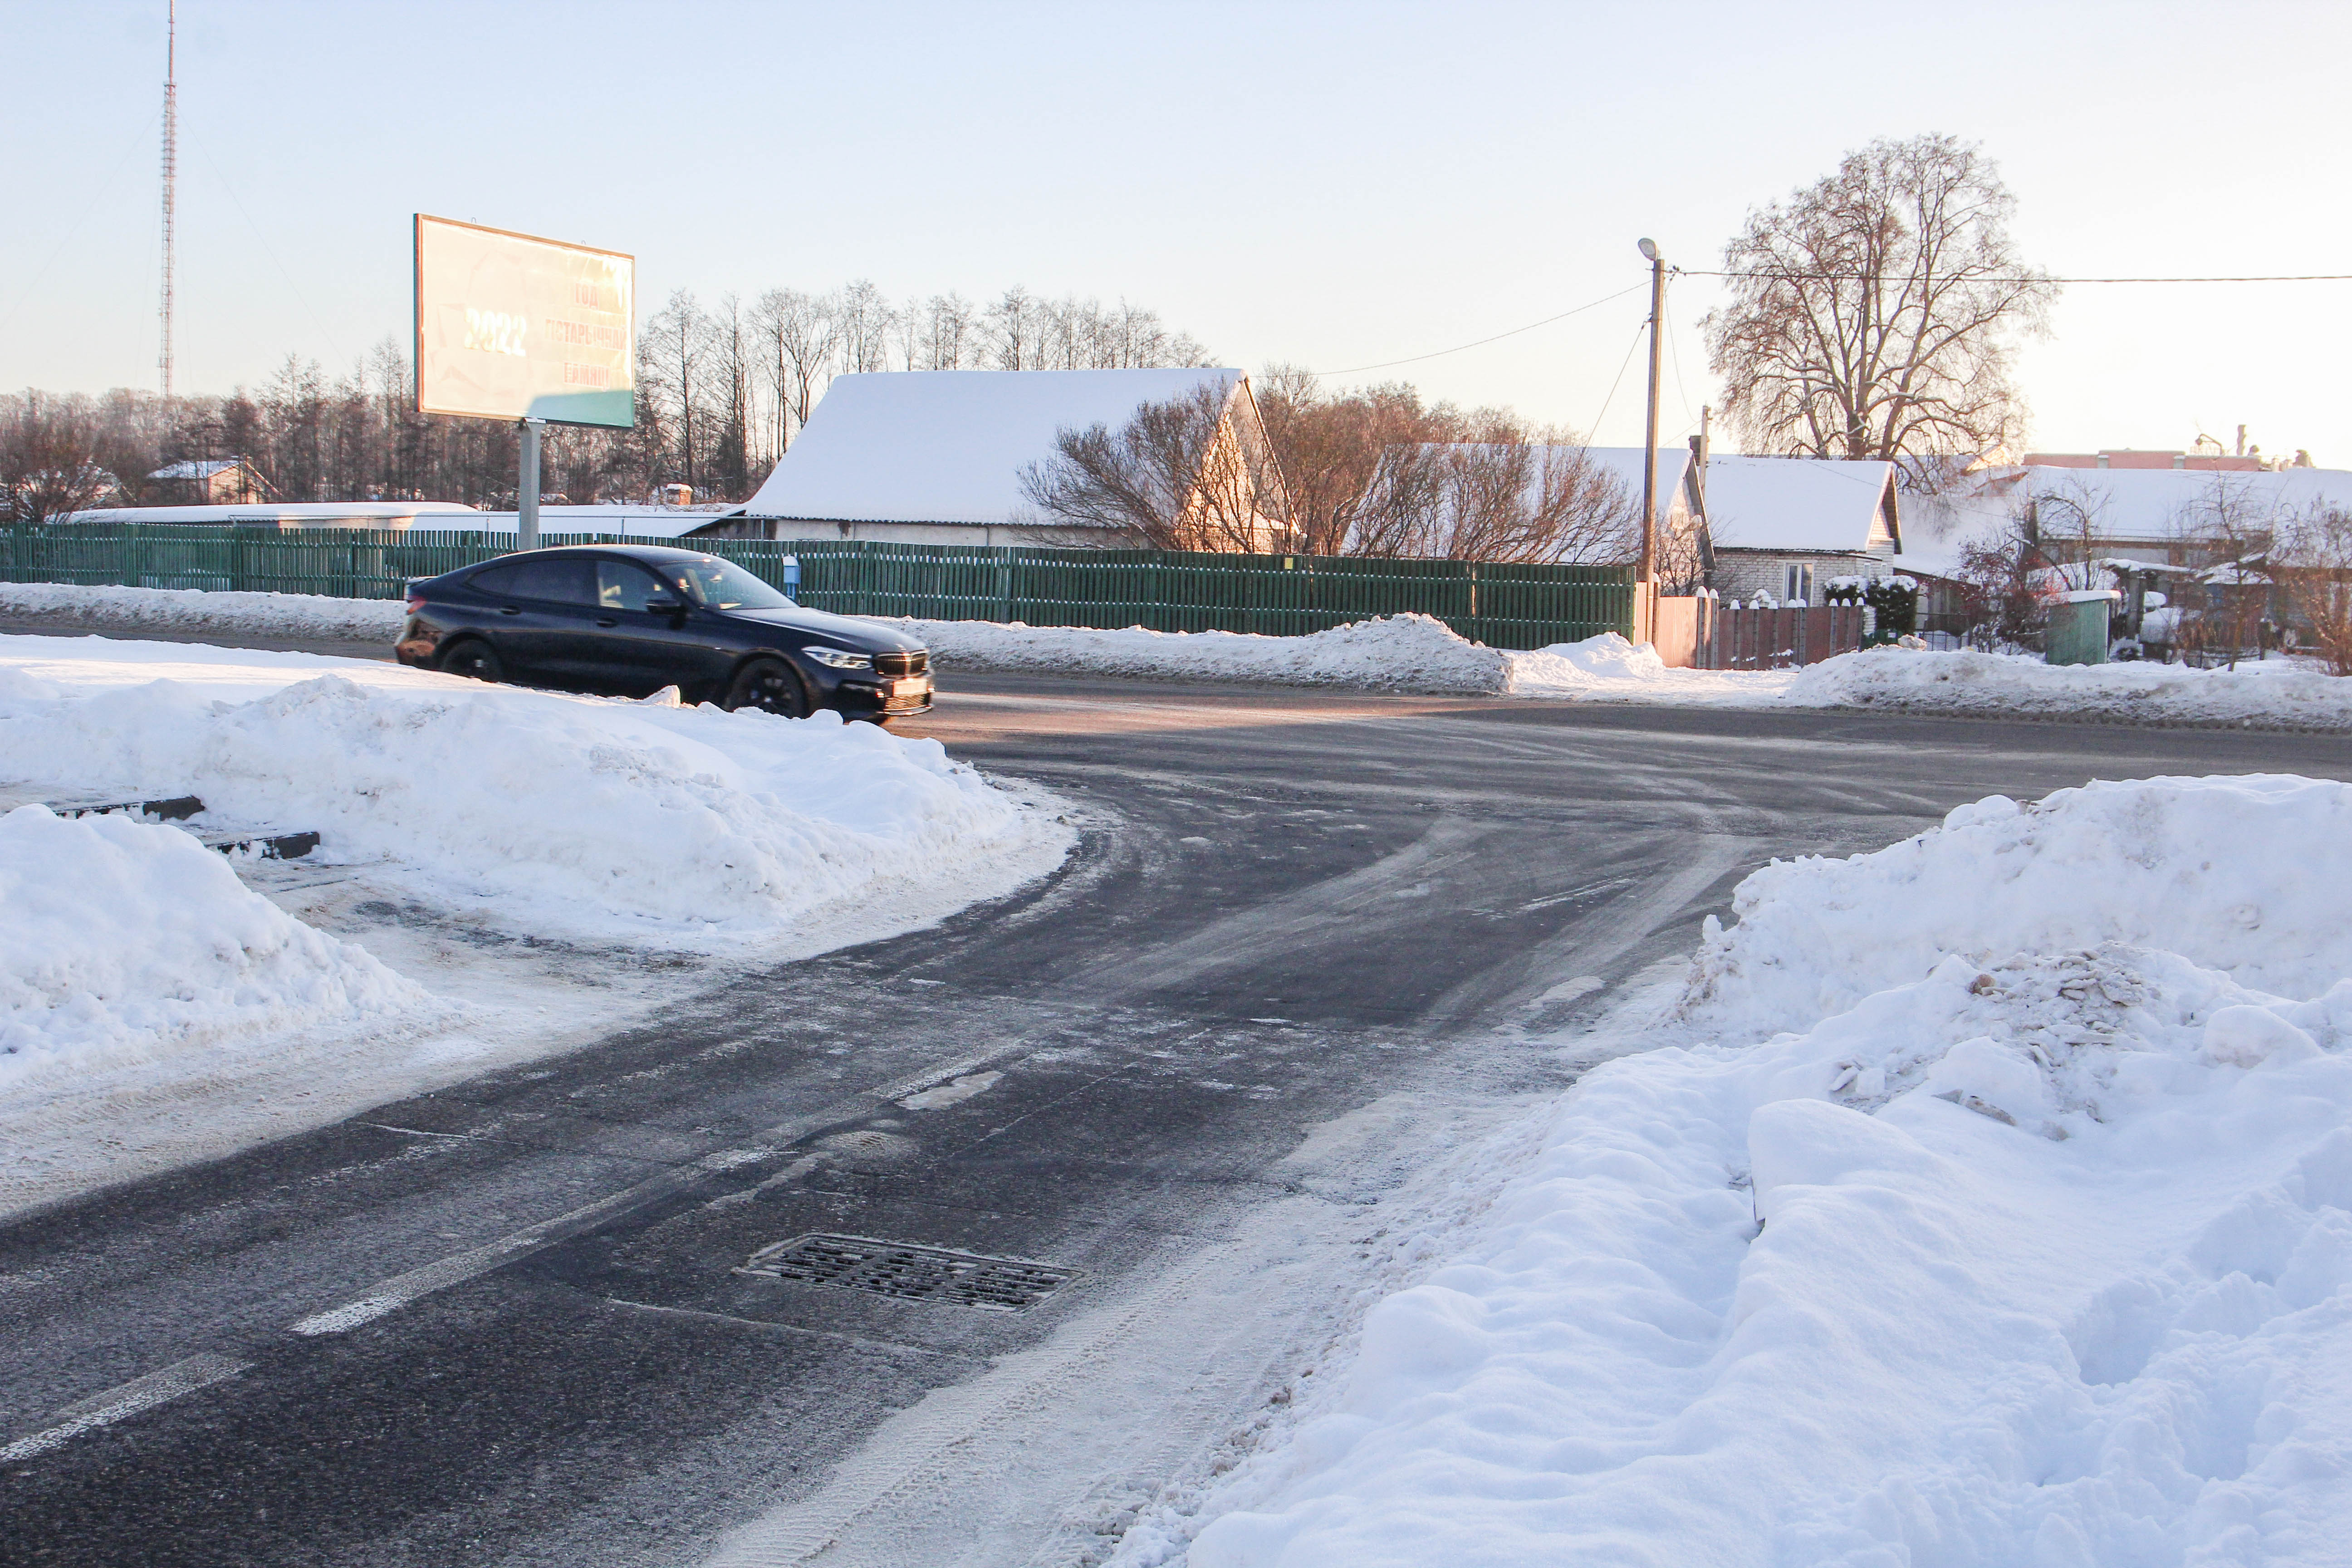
527, 492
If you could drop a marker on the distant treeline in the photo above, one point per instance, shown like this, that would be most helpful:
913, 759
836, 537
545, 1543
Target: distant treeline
721, 391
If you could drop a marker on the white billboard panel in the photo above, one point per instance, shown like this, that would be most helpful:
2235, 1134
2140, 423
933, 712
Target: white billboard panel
510, 326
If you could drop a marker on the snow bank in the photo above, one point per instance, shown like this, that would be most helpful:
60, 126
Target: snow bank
2027, 1238
1420, 654
2276, 693
577, 817
2247, 874
198, 610
1609, 669
117, 934
1402, 653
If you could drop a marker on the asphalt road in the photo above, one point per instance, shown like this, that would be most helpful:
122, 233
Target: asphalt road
503, 1323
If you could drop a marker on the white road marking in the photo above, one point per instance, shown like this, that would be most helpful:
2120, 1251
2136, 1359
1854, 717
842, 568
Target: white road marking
123, 1401
401, 1289
954, 1093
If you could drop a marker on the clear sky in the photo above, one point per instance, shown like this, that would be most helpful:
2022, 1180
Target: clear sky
1337, 185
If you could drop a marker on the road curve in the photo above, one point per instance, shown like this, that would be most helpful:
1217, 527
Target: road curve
1308, 942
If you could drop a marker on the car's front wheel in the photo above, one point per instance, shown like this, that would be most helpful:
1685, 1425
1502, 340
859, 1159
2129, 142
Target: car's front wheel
770, 685
473, 660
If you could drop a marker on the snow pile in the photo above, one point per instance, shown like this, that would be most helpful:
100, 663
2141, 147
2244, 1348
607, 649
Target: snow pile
580, 816
1400, 653
1609, 669
119, 934
1993, 1207
198, 610
2276, 693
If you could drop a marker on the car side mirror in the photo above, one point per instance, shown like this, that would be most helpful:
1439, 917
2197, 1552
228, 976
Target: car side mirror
665, 606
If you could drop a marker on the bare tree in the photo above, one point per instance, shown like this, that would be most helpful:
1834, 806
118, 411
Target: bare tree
865, 319
2230, 528
1330, 447
1012, 330
799, 335
674, 355
2311, 559
1875, 312
732, 454
50, 465
1181, 475
1507, 500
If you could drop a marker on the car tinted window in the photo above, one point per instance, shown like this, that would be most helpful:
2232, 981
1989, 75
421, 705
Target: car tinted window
622, 586
723, 585
498, 582
562, 579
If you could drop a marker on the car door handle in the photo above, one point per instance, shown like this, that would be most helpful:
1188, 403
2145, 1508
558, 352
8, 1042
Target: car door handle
511, 610
607, 621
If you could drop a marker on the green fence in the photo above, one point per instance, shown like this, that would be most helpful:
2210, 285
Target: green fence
1502, 606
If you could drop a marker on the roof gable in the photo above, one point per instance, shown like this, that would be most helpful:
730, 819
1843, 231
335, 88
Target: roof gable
948, 445
1830, 505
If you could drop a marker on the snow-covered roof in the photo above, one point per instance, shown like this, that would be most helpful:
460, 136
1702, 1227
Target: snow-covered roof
196, 468
2167, 503
299, 514
635, 521
1810, 504
1623, 464
2143, 504
948, 445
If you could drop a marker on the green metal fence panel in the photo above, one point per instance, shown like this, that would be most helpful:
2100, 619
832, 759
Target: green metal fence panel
1503, 605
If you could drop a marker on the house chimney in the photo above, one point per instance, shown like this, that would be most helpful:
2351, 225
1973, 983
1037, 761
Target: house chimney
2242, 440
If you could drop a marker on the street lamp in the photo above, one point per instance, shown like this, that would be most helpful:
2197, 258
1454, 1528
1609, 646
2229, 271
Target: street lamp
1647, 592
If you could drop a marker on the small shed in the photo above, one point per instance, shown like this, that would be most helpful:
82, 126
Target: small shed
210, 482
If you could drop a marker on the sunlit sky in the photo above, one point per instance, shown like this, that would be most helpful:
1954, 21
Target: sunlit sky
1335, 185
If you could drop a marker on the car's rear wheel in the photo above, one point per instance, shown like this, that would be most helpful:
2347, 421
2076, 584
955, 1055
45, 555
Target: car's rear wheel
770, 685
475, 659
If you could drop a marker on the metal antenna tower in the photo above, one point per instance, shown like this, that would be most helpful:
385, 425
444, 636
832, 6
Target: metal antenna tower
171, 173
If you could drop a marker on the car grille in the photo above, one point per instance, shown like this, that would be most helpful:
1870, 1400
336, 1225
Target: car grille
901, 664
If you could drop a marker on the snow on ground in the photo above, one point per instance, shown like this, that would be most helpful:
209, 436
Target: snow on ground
2278, 693
1420, 654
1400, 653
1986, 1201
580, 817
198, 610
533, 869
122, 936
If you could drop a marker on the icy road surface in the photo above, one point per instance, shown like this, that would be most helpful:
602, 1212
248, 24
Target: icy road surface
1313, 950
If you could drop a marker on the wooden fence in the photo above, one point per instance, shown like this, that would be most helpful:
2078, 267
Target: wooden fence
1502, 606
1751, 636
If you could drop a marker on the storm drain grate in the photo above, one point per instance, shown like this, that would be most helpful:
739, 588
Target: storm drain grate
909, 1272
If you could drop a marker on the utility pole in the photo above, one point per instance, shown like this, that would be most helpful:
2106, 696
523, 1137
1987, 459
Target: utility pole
527, 493
1645, 591
171, 173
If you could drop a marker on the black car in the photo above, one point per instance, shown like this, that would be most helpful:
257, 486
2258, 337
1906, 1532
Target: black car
625, 620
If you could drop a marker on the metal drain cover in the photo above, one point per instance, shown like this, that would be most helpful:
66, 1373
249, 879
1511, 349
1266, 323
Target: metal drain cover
910, 1272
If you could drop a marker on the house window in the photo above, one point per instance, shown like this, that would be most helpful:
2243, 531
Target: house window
1800, 585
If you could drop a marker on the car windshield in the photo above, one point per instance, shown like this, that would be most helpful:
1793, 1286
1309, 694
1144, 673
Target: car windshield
717, 585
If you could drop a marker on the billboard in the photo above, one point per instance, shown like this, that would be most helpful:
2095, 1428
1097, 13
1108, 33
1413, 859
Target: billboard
510, 326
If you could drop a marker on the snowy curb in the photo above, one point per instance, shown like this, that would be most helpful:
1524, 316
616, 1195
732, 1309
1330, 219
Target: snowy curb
199, 610
1408, 653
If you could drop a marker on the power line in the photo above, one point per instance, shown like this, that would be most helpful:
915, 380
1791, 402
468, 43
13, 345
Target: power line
1482, 342
1794, 277
1593, 430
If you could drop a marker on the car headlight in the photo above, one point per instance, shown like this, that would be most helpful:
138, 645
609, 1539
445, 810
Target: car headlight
840, 658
